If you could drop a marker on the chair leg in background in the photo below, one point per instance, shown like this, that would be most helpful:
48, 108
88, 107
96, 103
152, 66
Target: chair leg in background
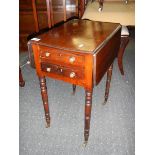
74, 89
21, 81
124, 42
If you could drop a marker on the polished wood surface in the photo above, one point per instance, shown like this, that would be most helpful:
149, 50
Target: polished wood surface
79, 52
104, 58
77, 35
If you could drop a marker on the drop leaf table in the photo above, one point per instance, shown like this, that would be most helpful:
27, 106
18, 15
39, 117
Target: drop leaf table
79, 52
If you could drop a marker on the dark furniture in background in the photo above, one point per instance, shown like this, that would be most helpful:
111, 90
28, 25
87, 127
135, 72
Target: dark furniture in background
31, 21
61, 10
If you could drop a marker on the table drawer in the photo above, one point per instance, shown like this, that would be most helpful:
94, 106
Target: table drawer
61, 56
63, 71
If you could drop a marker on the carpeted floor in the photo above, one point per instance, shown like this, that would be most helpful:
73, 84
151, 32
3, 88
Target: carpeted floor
112, 130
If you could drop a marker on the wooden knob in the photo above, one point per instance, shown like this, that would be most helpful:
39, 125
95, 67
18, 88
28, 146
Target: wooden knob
72, 75
71, 59
47, 54
48, 69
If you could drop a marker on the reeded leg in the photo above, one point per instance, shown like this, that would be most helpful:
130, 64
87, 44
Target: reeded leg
74, 89
45, 99
109, 75
88, 105
21, 81
124, 42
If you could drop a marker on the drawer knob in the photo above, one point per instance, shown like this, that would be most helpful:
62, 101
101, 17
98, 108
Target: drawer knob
71, 59
61, 70
47, 54
48, 69
72, 75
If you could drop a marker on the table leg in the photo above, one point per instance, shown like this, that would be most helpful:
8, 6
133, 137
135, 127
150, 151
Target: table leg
88, 105
109, 75
21, 81
74, 89
45, 99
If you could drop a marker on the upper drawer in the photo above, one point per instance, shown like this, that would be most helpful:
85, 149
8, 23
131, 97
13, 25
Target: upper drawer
60, 56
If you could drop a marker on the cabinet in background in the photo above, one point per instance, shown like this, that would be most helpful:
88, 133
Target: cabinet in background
61, 10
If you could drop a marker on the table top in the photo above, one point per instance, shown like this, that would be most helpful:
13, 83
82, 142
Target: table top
79, 35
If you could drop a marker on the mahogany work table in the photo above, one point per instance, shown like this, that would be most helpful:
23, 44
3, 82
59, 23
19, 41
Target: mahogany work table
79, 52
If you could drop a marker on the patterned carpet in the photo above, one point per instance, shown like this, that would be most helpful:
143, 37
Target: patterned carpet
112, 130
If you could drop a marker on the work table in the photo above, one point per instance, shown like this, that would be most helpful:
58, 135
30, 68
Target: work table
79, 52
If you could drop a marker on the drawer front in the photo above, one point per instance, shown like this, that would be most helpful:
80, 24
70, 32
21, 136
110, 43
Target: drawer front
60, 56
62, 71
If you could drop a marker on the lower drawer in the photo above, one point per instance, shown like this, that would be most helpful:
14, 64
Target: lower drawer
63, 71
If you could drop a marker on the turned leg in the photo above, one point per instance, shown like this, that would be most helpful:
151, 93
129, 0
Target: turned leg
74, 89
124, 42
45, 99
109, 75
88, 105
21, 81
